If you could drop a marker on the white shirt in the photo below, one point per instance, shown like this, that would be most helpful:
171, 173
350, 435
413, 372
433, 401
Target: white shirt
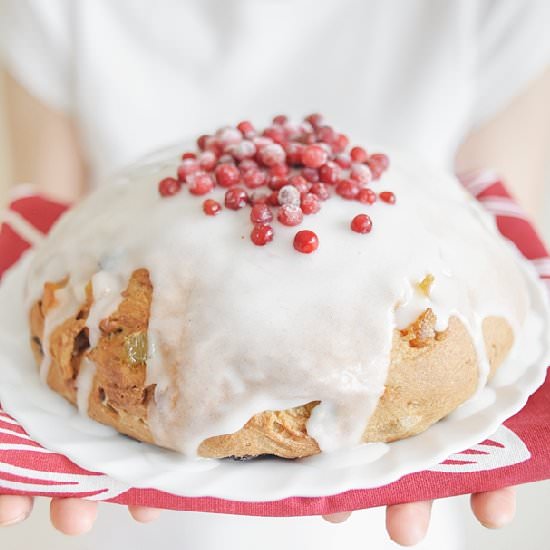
138, 74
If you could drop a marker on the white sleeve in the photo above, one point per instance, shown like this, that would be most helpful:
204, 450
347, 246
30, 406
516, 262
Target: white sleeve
513, 49
35, 45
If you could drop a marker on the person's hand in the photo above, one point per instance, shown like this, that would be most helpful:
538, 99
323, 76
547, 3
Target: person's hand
407, 524
71, 516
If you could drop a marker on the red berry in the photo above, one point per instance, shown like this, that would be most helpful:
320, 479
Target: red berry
228, 136
279, 170
326, 134
361, 223
311, 174
186, 156
276, 134
294, 153
277, 182
348, 189
300, 183
358, 154
236, 198
321, 191
330, 173
246, 128
188, 166
378, 163
257, 197
340, 143
211, 207
387, 196
207, 161
290, 214
260, 213
226, 159
360, 173
289, 195
280, 119
248, 164
343, 160
254, 178
272, 154
227, 175
366, 196
310, 203
273, 198
314, 156
243, 150
200, 183
306, 242
261, 234
169, 186
315, 120
201, 141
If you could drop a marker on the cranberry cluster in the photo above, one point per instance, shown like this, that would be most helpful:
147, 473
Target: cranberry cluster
285, 172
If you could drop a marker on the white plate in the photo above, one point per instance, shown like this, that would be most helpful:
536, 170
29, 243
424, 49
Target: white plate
54, 423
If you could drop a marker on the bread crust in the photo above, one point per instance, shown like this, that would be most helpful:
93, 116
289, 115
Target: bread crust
430, 375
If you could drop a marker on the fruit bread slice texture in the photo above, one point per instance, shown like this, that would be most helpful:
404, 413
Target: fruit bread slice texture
430, 375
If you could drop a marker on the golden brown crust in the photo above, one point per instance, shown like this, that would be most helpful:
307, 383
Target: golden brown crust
431, 373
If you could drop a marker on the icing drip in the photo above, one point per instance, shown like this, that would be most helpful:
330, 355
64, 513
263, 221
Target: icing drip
84, 384
236, 329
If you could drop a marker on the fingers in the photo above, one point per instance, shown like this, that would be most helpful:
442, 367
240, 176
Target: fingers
407, 524
73, 516
496, 508
14, 508
337, 518
144, 514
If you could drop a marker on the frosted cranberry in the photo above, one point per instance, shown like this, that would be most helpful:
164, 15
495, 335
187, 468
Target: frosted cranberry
306, 241
279, 170
321, 191
261, 234
188, 166
289, 195
227, 175
257, 197
290, 215
277, 182
186, 156
310, 203
366, 196
226, 159
169, 187
340, 143
243, 150
292, 131
236, 198
248, 164
228, 135
202, 140
276, 134
361, 223
211, 207
378, 163
254, 178
347, 189
273, 198
272, 154
360, 173
358, 154
300, 183
343, 160
280, 119
200, 183
261, 213
330, 173
207, 161
311, 174
315, 119
326, 134
294, 153
246, 128
314, 156
387, 196
261, 141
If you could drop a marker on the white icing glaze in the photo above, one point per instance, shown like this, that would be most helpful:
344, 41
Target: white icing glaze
84, 384
236, 329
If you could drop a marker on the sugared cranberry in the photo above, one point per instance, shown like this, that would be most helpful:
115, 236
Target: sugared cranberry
360, 173
290, 214
277, 134
261, 234
378, 163
246, 128
248, 164
258, 197
279, 170
260, 213
314, 156
186, 156
330, 173
273, 198
300, 183
358, 154
366, 196
277, 182
254, 178
211, 207
227, 175
343, 160
207, 161
169, 186
226, 159
200, 183
321, 191
311, 174
326, 134
201, 141
315, 119
243, 150
272, 154
310, 203
340, 143
361, 223
347, 189
294, 153
387, 196
188, 166
306, 241
236, 198
289, 195
228, 136
280, 119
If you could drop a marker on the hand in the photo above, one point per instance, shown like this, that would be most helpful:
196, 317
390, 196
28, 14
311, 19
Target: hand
407, 524
71, 516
